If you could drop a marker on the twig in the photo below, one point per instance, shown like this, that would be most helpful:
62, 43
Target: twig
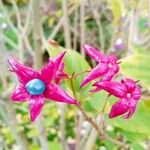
8, 18
16, 10
66, 25
59, 24
75, 27
82, 26
62, 108
38, 63
92, 122
99, 25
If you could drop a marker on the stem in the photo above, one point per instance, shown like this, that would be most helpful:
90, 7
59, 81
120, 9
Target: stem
90, 120
62, 108
76, 29
37, 24
38, 63
66, 25
76, 75
82, 26
97, 18
104, 106
100, 134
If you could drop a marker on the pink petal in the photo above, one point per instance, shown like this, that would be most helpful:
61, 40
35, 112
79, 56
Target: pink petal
130, 113
132, 107
54, 92
19, 94
136, 94
60, 74
130, 84
106, 77
58, 60
96, 72
114, 88
112, 59
47, 72
24, 73
109, 75
119, 108
93, 53
115, 68
35, 105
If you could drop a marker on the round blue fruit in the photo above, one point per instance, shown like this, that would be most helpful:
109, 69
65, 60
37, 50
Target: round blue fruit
35, 87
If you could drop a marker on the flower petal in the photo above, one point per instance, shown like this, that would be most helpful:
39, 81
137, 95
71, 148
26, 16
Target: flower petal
130, 113
136, 94
119, 108
60, 74
112, 59
109, 75
114, 88
24, 73
130, 84
96, 72
19, 94
58, 60
54, 92
132, 107
35, 105
93, 53
48, 72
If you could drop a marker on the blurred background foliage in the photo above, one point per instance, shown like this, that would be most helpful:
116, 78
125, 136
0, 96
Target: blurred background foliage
34, 30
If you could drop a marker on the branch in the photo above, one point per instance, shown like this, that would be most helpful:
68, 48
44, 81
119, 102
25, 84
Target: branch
18, 18
37, 25
99, 24
66, 25
8, 18
100, 133
82, 25
76, 28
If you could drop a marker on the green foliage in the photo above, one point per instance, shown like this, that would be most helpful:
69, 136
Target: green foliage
138, 125
75, 63
136, 66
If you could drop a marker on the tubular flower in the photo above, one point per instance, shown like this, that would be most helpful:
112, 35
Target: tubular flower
128, 94
107, 66
36, 86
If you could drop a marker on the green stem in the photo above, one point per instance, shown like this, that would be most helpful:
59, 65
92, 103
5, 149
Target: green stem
92, 122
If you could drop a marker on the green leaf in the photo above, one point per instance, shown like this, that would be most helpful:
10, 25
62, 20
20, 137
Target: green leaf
139, 123
137, 67
95, 102
133, 136
75, 63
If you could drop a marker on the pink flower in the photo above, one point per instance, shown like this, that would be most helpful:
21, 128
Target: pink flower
36, 86
107, 66
60, 75
128, 94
